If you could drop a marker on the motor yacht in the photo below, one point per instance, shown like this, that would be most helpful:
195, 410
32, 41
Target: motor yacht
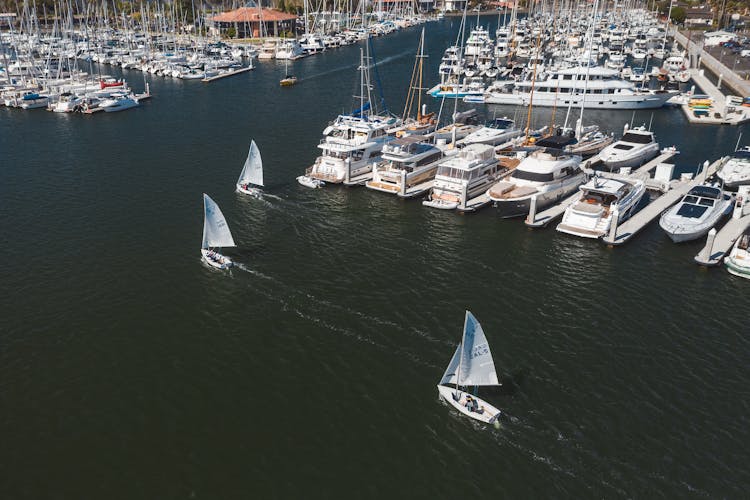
636, 147
736, 171
546, 174
494, 132
696, 213
462, 179
591, 215
407, 168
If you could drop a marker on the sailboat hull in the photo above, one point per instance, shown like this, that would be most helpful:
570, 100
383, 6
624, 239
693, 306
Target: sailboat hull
487, 413
251, 191
215, 259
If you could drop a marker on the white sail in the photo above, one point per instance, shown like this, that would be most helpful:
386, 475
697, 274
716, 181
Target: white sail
476, 364
449, 377
252, 172
215, 229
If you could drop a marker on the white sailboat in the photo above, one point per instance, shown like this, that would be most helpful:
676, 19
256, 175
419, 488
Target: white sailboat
216, 234
471, 365
252, 173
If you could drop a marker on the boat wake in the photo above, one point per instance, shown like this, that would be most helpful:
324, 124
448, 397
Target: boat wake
329, 72
395, 56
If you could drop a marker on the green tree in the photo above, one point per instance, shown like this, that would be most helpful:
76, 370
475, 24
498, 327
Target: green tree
231, 32
678, 15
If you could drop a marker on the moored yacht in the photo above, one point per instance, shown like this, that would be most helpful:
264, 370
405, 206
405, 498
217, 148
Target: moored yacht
464, 178
698, 211
636, 147
546, 174
407, 168
736, 171
350, 146
591, 215
289, 49
118, 102
600, 88
496, 131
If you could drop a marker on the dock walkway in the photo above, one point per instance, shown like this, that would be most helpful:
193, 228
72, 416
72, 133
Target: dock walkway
227, 74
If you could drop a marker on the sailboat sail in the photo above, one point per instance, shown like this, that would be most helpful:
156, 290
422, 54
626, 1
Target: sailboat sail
215, 229
449, 377
252, 172
477, 365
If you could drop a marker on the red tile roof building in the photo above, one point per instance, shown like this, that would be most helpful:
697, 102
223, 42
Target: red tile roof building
247, 21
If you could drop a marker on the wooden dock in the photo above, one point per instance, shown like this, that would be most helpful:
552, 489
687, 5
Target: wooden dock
721, 242
227, 74
677, 189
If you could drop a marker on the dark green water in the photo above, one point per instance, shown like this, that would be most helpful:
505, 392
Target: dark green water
130, 370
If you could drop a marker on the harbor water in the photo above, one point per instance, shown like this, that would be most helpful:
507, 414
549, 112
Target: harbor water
128, 369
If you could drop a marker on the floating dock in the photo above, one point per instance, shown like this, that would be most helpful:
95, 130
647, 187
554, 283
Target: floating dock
719, 113
676, 190
719, 243
228, 74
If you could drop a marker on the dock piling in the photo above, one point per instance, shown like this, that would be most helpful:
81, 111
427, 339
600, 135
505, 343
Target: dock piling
613, 224
707, 251
532, 211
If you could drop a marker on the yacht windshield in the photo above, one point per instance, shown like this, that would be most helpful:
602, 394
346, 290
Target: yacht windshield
691, 211
500, 123
636, 138
453, 173
532, 176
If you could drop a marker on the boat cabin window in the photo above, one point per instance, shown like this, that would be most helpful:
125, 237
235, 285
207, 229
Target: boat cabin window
624, 147
500, 123
705, 192
532, 176
430, 158
453, 173
691, 211
637, 138
706, 202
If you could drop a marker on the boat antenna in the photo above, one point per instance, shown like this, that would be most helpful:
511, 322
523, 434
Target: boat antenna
737, 146
650, 122
632, 119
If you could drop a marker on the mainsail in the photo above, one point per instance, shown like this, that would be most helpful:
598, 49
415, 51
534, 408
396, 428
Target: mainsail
477, 366
215, 229
252, 172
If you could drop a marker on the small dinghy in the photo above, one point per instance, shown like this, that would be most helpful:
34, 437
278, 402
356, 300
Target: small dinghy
738, 260
471, 365
252, 173
288, 81
310, 182
216, 234
698, 211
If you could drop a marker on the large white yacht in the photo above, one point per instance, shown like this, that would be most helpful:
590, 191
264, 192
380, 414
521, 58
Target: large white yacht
496, 131
407, 168
694, 216
479, 38
268, 50
636, 147
736, 171
604, 90
546, 174
350, 146
591, 215
289, 49
464, 178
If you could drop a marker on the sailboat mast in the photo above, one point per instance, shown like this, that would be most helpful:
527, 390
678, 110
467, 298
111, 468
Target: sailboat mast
461, 352
419, 89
